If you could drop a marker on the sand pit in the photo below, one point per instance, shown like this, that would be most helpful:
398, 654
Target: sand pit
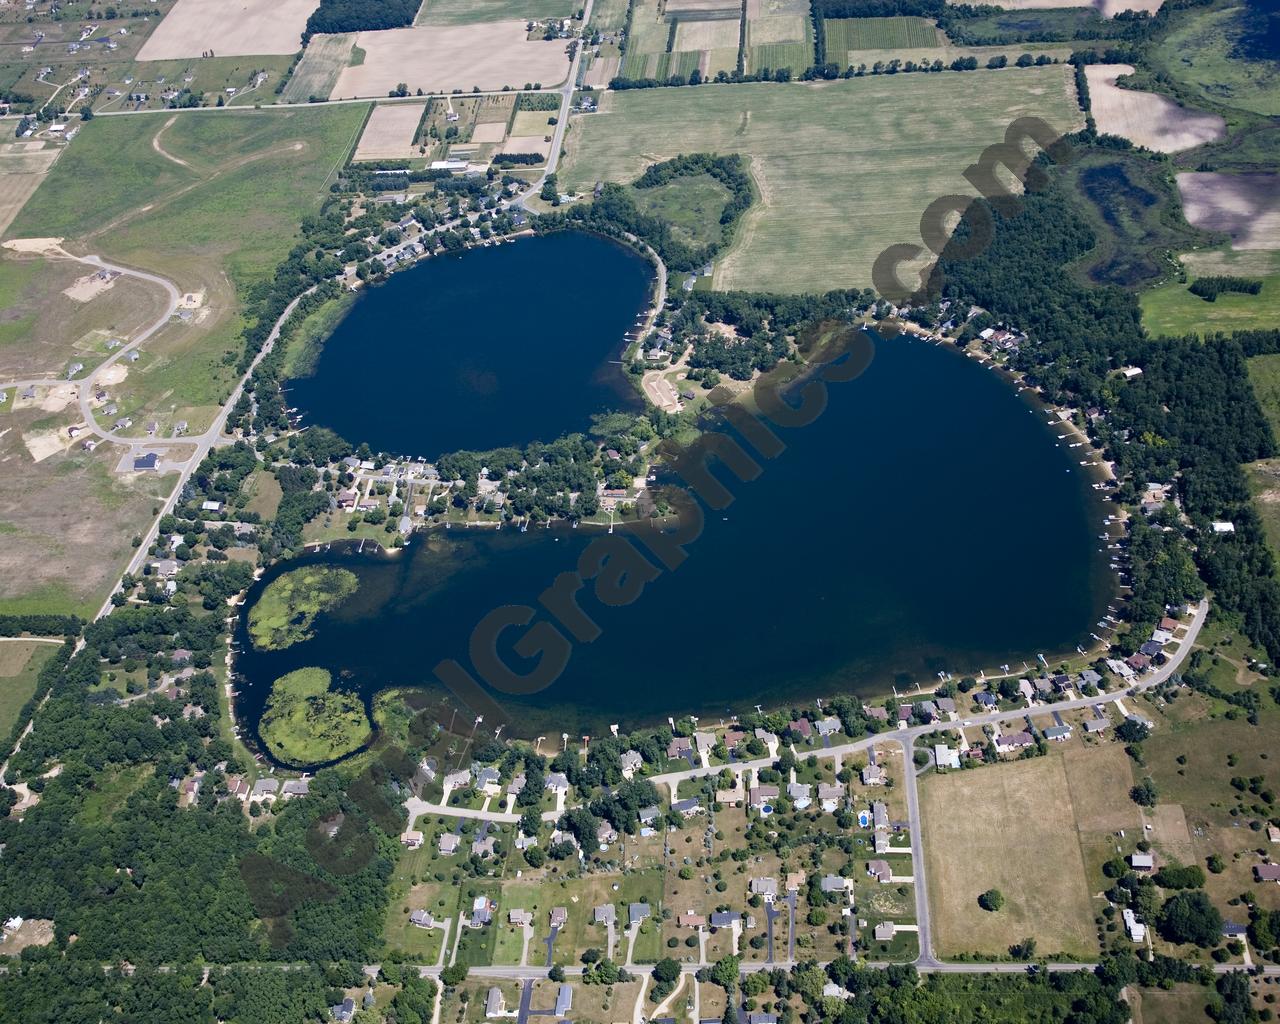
438, 59
230, 28
47, 443
390, 131
39, 246
1244, 206
1145, 118
89, 287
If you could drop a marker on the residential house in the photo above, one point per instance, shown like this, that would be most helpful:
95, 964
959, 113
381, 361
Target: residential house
829, 795
946, 705
411, 839
724, 918
265, 790
1135, 929
945, 757
828, 726
835, 883
495, 1004
1266, 872
648, 815
558, 917
1014, 741
292, 788
690, 920
680, 746
557, 782
986, 699
873, 775
482, 848
704, 741
764, 887
457, 780
762, 796
1060, 733
564, 1001
449, 843
632, 762
344, 1010
885, 931
605, 914
606, 834
422, 919
636, 913
687, 808
879, 714
1144, 862
802, 728
481, 911
879, 870
800, 794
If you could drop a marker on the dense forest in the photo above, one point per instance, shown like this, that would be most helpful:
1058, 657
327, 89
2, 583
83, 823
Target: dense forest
360, 16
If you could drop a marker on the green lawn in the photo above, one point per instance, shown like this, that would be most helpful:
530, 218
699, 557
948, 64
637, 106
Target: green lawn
844, 169
20, 664
1172, 310
1264, 375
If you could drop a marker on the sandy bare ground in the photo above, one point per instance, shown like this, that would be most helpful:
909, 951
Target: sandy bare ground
1146, 118
38, 246
155, 144
390, 131
23, 166
437, 59
89, 287
230, 28
1244, 206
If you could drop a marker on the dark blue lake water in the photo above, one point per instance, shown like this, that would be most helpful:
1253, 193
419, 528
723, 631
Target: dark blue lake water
929, 520
496, 346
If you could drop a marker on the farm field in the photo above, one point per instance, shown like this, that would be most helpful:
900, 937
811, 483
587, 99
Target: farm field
1172, 310
322, 62
879, 33
1109, 8
1201, 53
472, 12
1018, 819
390, 131
1246, 207
829, 202
779, 35
23, 166
260, 27
488, 56
1146, 118
676, 40
20, 663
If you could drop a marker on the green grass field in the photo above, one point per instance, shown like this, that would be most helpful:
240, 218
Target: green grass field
20, 664
469, 12
189, 223
1172, 310
794, 55
1201, 52
878, 33
1264, 375
844, 169
691, 205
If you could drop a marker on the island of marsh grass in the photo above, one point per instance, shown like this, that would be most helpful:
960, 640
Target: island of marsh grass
283, 614
843, 169
307, 723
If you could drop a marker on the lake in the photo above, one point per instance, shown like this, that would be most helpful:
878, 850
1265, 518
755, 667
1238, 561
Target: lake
496, 346
929, 520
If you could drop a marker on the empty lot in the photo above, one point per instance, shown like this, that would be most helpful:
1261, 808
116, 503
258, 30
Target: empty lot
23, 166
238, 29
1030, 829
844, 169
489, 56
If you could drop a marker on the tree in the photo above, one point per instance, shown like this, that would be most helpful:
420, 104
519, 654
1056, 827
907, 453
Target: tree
1190, 917
454, 975
556, 973
725, 972
992, 900
1024, 950
1144, 794
666, 971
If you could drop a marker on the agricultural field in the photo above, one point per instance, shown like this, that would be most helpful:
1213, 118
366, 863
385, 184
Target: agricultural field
473, 12
676, 40
193, 27
23, 165
391, 131
826, 207
321, 65
488, 56
779, 35
1037, 830
1146, 118
20, 664
607, 16
1202, 52
1172, 310
1245, 207
1107, 8
845, 34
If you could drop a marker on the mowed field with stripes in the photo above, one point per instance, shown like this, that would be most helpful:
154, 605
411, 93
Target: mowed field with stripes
843, 169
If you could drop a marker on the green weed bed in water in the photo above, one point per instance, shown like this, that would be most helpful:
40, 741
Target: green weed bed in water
284, 613
306, 723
